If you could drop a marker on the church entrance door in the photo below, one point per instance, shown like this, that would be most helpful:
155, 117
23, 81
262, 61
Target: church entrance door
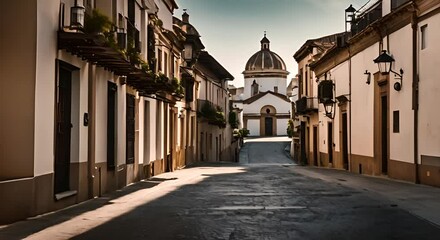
268, 126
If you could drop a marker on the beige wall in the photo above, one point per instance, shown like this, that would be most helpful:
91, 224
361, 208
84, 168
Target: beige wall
429, 62
17, 88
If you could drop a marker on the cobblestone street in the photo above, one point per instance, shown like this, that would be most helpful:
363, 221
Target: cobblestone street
247, 201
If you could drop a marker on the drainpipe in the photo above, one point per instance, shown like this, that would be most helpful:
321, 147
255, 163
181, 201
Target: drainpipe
415, 93
349, 106
91, 133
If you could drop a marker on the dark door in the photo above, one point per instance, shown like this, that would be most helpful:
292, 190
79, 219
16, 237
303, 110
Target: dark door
315, 145
63, 125
384, 133
330, 142
111, 125
268, 125
130, 116
303, 143
344, 141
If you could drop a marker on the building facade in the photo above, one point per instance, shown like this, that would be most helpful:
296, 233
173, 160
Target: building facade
265, 103
99, 101
381, 120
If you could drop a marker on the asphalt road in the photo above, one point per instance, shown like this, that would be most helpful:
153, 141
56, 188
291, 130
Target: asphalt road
265, 197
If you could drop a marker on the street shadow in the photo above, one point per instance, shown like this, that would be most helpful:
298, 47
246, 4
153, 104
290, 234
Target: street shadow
22, 229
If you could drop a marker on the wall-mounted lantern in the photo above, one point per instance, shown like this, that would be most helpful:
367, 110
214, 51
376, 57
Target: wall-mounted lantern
188, 52
328, 107
325, 96
385, 63
77, 16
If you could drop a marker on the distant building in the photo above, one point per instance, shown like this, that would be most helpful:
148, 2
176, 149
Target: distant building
264, 100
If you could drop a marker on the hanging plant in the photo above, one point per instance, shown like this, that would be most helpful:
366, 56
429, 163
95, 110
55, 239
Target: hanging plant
97, 23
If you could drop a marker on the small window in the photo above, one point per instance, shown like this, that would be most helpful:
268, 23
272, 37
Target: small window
423, 40
396, 122
275, 89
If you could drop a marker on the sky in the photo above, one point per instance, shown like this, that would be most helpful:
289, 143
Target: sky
231, 30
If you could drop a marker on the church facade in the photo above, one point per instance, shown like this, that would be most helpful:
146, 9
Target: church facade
265, 105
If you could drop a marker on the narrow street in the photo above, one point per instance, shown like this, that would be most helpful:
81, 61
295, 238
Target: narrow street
266, 196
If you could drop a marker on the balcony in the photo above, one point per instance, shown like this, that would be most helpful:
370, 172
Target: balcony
211, 113
102, 50
306, 105
366, 17
397, 3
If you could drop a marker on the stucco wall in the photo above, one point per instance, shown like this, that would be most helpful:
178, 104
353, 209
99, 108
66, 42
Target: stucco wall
429, 126
165, 15
253, 125
282, 127
17, 88
362, 102
265, 84
101, 78
401, 144
47, 22
280, 105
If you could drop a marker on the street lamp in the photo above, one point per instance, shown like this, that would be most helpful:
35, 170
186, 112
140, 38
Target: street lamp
385, 63
325, 96
188, 52
77, 16
328, 107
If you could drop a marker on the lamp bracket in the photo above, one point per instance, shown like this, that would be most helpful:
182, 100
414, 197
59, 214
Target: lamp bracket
398, 85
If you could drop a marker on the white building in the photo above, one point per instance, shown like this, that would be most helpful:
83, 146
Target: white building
384, 123
265, 103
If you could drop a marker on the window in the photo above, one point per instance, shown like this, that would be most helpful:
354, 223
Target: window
396, 122
254, 88
275, 89
159, 60
423, 40
172, 66
165, 64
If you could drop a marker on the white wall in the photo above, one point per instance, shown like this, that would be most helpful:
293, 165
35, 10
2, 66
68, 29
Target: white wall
121, 123
362, 102
165, 15
253, 125
401, 144
47, 22
269, 99
282, 127
101, 78
429, 88
265, 84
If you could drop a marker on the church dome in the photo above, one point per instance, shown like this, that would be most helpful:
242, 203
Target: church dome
265, 59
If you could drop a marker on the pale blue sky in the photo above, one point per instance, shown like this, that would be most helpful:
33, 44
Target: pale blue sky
231, 30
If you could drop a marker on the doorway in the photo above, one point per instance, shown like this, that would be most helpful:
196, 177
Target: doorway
345, 140
63, 130
330, 143
381, 125
315, 145
384, 133
130, 129
268, 126
111, 125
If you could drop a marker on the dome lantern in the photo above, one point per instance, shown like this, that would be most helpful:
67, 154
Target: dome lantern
265, 42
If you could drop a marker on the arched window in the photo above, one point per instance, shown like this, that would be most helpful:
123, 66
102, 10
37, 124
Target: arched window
254, 88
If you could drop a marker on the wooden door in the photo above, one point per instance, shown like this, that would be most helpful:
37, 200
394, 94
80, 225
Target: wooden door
63, 131
268, 126
130, 129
